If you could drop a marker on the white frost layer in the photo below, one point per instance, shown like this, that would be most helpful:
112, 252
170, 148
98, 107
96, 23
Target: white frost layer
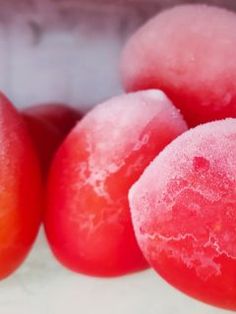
175, 204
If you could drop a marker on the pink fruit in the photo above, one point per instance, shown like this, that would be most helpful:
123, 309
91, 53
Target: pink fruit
188, 52
184, 213
87, 220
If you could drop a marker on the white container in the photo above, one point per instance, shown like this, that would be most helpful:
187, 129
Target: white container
68, 51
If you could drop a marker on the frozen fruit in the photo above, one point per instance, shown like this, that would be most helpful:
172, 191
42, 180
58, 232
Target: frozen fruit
184, 213
48, 125
87, 220
188, 52
20, 190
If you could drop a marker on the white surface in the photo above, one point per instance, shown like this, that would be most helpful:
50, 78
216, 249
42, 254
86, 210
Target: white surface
42, 286
65, 51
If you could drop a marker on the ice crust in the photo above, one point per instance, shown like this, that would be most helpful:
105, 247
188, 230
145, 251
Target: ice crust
190, 211
41, 284
114, 137
187, 51
117, 128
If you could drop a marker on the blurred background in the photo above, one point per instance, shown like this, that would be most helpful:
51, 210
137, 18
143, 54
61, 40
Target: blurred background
68, 51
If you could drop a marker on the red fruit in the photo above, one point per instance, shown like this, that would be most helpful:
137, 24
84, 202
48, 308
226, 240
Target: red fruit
20, 187
88, 221
48, 125
184, 213
189, 53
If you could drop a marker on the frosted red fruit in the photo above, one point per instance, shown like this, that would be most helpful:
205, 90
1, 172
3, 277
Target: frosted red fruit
184, 213
188, 52
48, 125
20, 187
87, 220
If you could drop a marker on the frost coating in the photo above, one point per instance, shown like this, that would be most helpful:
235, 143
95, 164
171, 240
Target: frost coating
115, 129
97, 164
184, 205
188, 52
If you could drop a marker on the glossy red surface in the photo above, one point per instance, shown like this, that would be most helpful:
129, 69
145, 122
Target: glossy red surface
20, 192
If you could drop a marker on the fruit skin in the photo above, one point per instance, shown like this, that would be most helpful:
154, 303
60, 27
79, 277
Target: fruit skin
20, 192
189, 53
48, 125
184, 213
87, 220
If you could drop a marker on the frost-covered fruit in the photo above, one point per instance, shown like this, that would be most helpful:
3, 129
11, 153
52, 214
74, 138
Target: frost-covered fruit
48, 125
87, 219
20, 190
188, 52
184, 213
